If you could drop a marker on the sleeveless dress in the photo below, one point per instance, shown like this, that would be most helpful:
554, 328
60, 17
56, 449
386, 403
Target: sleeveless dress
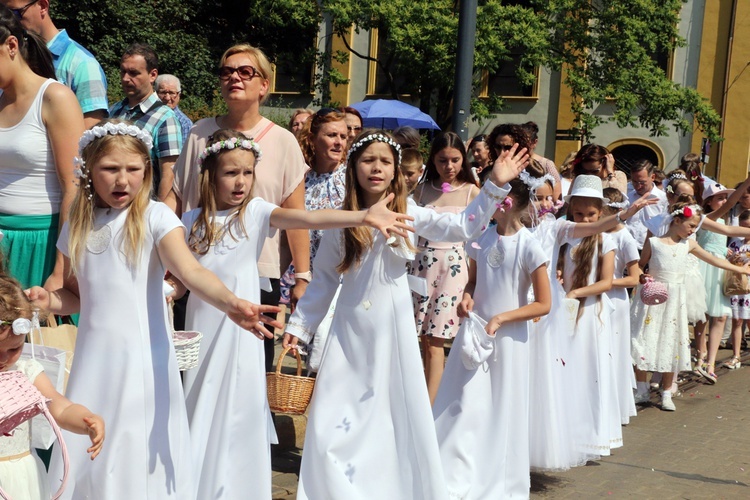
482, 415
443, 266
230, 422
660, 332
125, 369
22, 474
717, 303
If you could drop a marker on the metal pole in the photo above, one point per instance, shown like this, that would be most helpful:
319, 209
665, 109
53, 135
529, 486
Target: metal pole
467, 27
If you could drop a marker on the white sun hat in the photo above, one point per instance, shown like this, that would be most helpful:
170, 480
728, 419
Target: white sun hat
712, 188
587, 186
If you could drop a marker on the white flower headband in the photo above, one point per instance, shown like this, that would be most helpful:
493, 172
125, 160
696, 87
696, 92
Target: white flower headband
678, 175
686, 211
97, 132
534, 183
20, 326
110, 128
619, 205
371, 138
229, 144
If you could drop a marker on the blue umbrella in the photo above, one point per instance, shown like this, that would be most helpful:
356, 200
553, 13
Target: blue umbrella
390, 114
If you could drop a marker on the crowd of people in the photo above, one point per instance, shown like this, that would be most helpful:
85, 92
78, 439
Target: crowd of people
543, 278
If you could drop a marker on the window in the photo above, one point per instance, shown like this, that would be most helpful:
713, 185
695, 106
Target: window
290, 77
505, 82
627, 152
377, 82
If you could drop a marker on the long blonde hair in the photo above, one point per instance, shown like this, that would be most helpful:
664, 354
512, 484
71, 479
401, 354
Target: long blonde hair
81, 220
203, 233
357, 240
583, 257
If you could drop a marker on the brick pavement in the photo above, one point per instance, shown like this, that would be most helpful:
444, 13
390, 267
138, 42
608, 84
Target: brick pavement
700, 451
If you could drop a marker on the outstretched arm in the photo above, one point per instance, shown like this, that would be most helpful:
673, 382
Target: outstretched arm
709, 258
584, 229
731, 201
180, 261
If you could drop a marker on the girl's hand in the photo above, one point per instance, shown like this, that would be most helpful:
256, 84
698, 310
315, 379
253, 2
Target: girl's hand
609, 163
559, 277
289, 341
95, 425
640, 203
250, 317
643, 278
572, 294
494, 325
465, 306
39, 297
508, 165
387, 222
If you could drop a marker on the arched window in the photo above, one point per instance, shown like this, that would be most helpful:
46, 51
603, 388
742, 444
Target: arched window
629, 151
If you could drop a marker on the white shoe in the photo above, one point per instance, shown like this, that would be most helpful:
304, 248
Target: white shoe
642, 398
666, 401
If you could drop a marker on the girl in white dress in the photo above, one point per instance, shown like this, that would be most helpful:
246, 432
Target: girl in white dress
552, 416
587, 269
482, 414
370, 432
661, 342
117, 247
626, 259
22, 474
230, 421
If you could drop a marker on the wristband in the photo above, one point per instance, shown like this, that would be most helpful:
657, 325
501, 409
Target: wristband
619, 217
307, 276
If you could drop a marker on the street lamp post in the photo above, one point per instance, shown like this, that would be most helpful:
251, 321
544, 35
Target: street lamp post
467, 26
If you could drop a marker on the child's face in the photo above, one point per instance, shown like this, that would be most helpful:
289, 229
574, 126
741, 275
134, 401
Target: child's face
717, 200
234, 177
375, 171
117, 178
411, 175
745, 200
543, 199
585, 209
11, 347
448, 162
686, 227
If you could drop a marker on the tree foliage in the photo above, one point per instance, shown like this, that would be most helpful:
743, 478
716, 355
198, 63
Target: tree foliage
605, 47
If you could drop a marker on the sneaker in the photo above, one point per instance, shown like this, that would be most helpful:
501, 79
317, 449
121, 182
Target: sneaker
709, 376
666, 401
642, 398
733, 363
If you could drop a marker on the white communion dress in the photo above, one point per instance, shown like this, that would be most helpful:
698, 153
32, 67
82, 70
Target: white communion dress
230, 421
482, 415
125, 370
370, 432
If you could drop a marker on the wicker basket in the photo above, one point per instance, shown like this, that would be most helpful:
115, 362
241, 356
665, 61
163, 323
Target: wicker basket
289, 393
187, 345
20, 400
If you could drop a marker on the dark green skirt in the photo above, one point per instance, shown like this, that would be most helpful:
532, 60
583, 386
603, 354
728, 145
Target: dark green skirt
28, 246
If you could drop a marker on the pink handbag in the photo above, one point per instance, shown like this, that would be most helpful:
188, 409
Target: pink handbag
19, 402
654, 292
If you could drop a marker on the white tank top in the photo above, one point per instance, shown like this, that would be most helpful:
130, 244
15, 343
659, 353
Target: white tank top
28, 177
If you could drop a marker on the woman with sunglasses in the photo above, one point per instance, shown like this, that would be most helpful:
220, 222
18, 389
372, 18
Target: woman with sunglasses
502, 138
593, 159
40, 123
323, 140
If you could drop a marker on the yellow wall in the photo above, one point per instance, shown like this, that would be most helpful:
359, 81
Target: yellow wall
564, 143
340, 93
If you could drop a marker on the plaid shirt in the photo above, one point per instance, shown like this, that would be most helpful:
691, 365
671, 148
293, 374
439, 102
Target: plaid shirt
185, 122
76, 68
160, 121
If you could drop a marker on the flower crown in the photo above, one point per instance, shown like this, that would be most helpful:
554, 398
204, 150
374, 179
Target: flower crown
371, 138
110, 128
686, 211
677, 175
233, 143
534, 183
619, 205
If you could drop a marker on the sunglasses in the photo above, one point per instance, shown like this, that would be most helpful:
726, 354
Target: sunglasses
20, 12
244, 72
503, 147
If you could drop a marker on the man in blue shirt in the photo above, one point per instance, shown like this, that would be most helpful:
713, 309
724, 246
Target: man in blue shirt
138, 70
75, 67
169, 90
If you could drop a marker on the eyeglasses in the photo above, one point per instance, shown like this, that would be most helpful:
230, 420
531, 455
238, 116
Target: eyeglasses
640, 183
168, 93
503, 147
20, 12
244, 72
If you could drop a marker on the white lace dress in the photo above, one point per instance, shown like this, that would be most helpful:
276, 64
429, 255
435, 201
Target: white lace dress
661, 342
22, 474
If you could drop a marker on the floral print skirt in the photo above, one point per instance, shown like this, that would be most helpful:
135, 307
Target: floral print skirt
446, 274
740, 306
